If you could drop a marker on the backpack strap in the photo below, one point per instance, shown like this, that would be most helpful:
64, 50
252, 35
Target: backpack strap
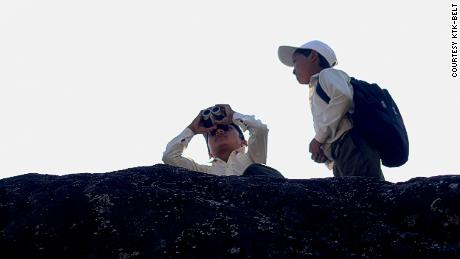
321, 93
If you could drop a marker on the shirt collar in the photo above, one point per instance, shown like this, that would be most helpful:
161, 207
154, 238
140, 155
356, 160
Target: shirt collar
234, 152
313, 80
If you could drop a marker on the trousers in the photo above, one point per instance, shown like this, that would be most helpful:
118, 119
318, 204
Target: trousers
353, 156
261, 170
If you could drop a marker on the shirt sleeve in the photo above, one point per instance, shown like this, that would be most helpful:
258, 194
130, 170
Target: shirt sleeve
258, 135
336, 86
175, 148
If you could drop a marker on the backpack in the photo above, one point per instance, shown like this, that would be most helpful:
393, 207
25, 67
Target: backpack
376, 117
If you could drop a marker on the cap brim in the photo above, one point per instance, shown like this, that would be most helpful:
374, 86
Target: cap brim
285, 55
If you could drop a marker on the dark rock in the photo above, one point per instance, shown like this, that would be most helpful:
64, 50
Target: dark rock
163, 211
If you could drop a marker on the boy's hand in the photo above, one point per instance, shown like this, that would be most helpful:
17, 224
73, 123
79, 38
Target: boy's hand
317, 153
197, 126
228, 119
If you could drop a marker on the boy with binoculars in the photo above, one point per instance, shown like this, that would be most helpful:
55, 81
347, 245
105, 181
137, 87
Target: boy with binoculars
223, 131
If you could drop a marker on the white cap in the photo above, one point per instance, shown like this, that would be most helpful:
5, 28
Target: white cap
285, 52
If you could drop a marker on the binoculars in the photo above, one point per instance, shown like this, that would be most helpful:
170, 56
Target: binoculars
211, 114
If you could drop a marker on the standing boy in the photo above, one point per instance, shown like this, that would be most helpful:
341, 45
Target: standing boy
335, 140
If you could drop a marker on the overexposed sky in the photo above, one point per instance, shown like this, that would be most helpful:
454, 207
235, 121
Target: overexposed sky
97, 86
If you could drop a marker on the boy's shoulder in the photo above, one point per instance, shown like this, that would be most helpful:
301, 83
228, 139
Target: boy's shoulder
332, 74
331, 71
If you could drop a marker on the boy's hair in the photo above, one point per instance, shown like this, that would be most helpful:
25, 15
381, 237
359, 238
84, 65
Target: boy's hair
240, 134
306, 52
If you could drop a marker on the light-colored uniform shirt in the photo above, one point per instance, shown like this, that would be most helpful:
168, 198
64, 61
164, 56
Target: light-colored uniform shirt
238, 160
329, 120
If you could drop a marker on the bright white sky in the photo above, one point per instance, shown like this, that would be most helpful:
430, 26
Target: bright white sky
97, 86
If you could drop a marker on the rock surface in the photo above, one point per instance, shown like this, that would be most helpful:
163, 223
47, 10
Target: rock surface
162, 212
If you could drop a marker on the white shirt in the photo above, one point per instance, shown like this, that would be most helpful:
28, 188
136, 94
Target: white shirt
238, 160
329, 120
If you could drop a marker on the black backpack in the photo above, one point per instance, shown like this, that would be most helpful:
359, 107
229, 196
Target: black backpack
376, 117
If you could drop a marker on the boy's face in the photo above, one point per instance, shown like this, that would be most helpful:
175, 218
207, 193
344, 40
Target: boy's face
226, 137
304, 67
